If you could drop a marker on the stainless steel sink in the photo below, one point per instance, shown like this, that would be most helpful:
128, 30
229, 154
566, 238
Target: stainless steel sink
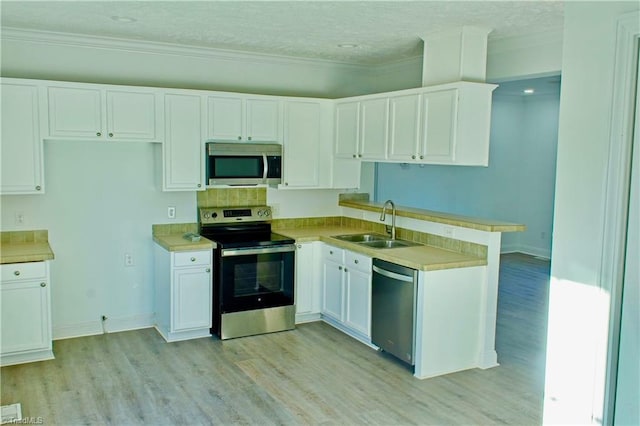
361, 238
387, 244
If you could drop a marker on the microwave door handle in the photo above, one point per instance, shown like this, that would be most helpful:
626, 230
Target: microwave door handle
265, 167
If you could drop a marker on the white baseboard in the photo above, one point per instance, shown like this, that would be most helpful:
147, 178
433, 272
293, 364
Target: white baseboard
111, 325
531, 250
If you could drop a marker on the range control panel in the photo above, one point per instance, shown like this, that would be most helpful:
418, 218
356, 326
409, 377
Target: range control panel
209, 215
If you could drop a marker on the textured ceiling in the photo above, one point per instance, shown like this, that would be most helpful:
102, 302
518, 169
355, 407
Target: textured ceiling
383, 31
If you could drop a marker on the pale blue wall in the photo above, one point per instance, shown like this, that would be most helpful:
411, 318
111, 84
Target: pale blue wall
518, 185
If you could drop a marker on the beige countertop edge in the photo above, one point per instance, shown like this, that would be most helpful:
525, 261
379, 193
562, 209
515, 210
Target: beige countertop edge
438, 217
25, 252
175, 242
423, 257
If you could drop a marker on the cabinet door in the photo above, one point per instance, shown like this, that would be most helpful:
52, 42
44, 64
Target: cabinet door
263, 120
225, 119
404, 123
332, 276
302, 144
183, 144
25, 316
347, 129
75, 113
438, 135
131, 115
358, 301
21, 141
373, 129
305, 280
191, 298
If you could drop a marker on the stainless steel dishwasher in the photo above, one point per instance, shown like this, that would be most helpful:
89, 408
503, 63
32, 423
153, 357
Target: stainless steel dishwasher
393, 309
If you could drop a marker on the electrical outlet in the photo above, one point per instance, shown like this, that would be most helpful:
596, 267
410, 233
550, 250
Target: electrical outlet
171, 212
128, 259
275, 209
449, 231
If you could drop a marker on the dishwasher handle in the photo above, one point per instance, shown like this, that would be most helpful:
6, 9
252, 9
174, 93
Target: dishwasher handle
393, 275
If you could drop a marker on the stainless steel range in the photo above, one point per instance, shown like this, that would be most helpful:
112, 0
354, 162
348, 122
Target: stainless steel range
253, 280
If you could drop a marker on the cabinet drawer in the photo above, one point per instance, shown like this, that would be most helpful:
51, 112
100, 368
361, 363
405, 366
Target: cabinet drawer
192, 258
23, 271
357, 261
330, 252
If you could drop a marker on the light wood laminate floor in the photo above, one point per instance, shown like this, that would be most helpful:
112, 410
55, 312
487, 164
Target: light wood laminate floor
312, 375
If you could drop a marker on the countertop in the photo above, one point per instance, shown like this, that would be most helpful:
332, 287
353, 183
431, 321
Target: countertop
176, 242
438, 217
421, 257
19, 252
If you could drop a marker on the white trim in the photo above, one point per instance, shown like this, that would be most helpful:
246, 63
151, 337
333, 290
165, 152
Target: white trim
112, 325
98, 42
617, 190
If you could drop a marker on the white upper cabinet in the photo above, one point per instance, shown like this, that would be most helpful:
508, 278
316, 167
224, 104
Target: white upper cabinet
373, 129
404, 126
347, 129
21, 145
361, 129
445, 124
94, 112
243, 119
183, 147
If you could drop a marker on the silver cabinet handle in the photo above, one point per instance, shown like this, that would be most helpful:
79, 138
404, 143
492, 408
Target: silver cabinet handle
354, 156
239, 138
199, 185
345, 269
110, 135
299, 246
38, 188
413, 157
43, 284
98, 134
359, 155
193, 259
339, 268
355, 261
208, 270
16, 273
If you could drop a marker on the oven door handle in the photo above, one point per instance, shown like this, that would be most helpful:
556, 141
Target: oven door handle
257, 250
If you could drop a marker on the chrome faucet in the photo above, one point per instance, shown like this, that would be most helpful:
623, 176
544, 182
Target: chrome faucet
393, 217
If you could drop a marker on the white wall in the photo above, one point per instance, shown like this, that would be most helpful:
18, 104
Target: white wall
579, 298
101, 201
516, 187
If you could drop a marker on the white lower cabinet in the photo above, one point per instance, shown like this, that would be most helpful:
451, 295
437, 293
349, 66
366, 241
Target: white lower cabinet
307, 282
346, 291
26, 313
183, 294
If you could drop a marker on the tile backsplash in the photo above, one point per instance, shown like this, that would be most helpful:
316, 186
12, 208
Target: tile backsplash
232, 197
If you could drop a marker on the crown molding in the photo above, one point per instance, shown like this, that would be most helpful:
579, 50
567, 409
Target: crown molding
112, 43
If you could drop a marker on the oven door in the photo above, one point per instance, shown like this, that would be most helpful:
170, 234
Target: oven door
256, 277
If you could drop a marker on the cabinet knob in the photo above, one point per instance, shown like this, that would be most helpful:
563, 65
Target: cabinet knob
239, 138
208, 270
199, 186
299, 246
38, 188
330, 251
355, 261
359, 155
339, 268
286, 184
354, 156
99, 134
413, 156
345, 269
193, 259
249, 138
43, 284
110, 135
16, 273
422, 157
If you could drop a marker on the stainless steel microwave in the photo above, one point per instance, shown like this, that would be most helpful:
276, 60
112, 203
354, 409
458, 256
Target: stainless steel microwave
244, 163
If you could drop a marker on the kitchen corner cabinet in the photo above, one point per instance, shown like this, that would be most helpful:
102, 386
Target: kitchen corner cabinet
307, 158
243, 119
94, 112
23, 112
26, 313
183, 148
307, 281
361, 129
346, 291
183, 293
